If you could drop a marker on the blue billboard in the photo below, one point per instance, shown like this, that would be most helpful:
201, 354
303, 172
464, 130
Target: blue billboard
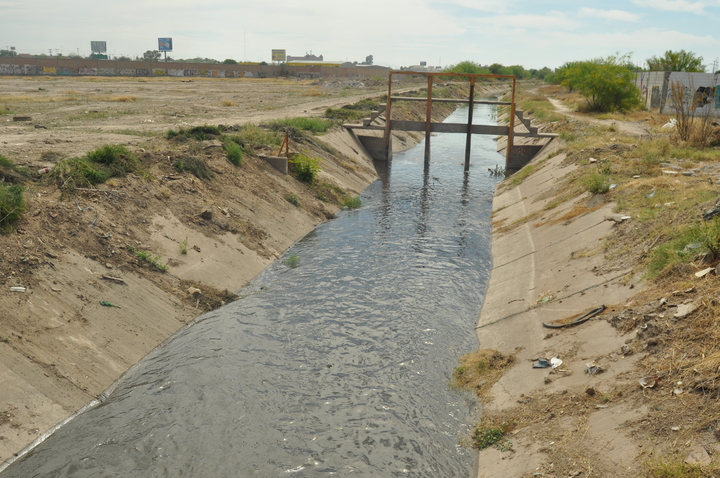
164, 44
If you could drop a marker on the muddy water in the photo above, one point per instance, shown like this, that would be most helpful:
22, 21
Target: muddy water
336, 367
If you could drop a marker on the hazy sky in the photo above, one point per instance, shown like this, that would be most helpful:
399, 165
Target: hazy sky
396, 32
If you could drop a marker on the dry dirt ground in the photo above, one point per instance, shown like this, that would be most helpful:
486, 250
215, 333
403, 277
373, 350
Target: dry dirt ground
60, 347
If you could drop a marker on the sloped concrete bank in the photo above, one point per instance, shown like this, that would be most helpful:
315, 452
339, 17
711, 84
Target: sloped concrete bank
548, 265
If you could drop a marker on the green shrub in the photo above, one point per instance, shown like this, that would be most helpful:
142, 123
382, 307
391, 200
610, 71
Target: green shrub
255, 136
12, 205
305, 168
292, 199
315, 125
234, 153
701, 239
11, 172
199, 133
596, 183
491, 436
293, 261
74, 173
197, 166
352, 202
118, 159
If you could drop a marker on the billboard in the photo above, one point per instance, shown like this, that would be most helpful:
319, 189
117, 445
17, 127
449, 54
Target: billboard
164, 44
278, 56
98, 46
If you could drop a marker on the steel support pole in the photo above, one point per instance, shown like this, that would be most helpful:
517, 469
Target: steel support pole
468, 139
388, 152
428, 119
511, 131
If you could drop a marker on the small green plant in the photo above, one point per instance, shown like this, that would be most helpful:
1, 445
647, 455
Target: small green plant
293, 261
153, 260
184, 246
352, 202
701, 239
234, 153
485, 437
116, 157
315, 125
11, 172
199, 133
94, 168
12, 206
197, 166
5, 339
305, 168
292, 199
596, 183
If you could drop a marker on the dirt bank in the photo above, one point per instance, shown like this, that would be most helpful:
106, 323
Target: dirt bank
91, 259
560, 251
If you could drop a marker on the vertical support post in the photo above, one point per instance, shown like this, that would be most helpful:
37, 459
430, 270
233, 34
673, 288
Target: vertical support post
428, 119
468, 139
388, 152
511, 130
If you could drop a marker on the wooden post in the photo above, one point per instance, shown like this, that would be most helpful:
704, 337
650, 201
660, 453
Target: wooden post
511, 131
428, 119
468, 140
388, 152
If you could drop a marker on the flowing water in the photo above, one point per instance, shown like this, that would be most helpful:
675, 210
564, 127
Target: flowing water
339, 366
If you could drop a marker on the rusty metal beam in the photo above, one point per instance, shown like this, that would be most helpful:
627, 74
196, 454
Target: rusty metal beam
450, 100
468, 139
388, 121
511, 128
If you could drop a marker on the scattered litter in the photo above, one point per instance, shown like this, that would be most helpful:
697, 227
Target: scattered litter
555, 362
651, 195
43, 170
108, 304
542, 363
17, 289
684, 310
711, 213
579, 320
113, 279
637, 176
704, 272
618, 218
670, 124
678, 391
665, 171
648, 382
592, 160
675, 429
55, 289
193, 290
601, 406
593, 368
613, 186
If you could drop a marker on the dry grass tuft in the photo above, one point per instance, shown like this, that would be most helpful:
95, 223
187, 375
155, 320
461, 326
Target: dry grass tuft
124, 99
480, 369
227, 103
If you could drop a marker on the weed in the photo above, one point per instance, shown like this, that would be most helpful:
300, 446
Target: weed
292, 199
315, 125
197, 166
89, 115
199, 133
255, 136
124, 99
679, 469
234, 153
184, 246
485, 437
596, 183
149, 258
293, 261
11, 172
702, 239
305, 168
12, 206
520, 176
352, 202
228, 103
5, 339
117, 158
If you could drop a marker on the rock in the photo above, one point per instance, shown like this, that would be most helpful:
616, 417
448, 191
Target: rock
684, 310
213, 143
698, 456
207, 214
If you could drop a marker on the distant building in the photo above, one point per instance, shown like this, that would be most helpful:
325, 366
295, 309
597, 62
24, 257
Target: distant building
307, 57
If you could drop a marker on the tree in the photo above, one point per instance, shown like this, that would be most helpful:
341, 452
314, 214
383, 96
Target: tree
151, 55
230, 61
123, 58
8, 53
608, 84
495, 68
677, 61
468, 67
368, 60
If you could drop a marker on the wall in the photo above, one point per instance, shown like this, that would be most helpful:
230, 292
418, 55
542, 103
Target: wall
78, 67
703, 89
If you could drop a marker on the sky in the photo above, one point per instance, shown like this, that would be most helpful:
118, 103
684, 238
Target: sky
397, 33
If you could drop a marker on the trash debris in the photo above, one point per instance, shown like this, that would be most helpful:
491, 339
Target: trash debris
593, 368
43, 170
684, 310
670, 124
113, 279
601, 406
648, 382
613, 186
579, 320
618, 218
17, 289
193, 290
555, 362
651, 195
207, 214
665, 171
704, 272
108, 304
542, 363
698, 456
